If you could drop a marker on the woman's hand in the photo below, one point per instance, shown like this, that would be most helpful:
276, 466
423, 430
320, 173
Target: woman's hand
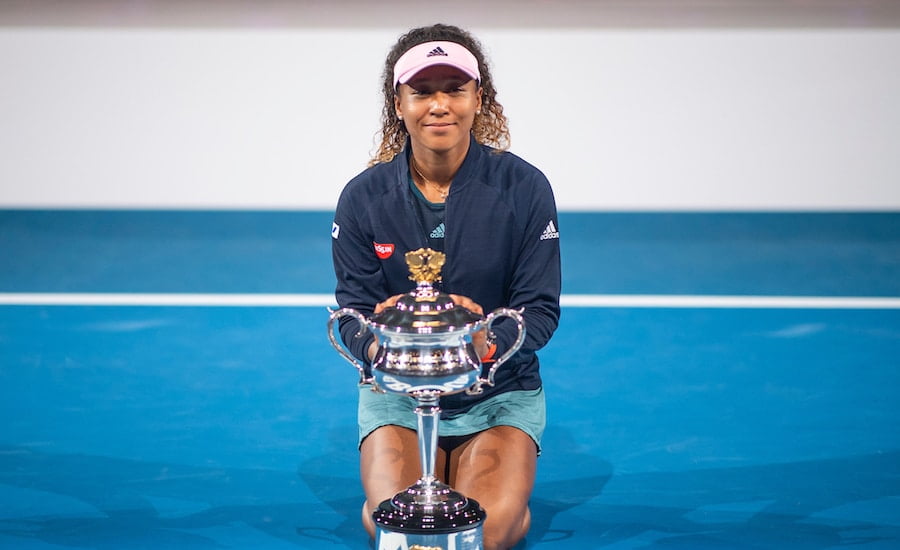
379, 307
390, 302
479, 339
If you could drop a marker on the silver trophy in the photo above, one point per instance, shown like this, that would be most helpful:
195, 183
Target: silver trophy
425, 351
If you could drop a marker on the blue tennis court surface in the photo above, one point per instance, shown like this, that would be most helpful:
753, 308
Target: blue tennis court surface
234, 427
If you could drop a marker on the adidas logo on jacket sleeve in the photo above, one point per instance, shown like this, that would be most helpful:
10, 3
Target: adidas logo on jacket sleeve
550, 232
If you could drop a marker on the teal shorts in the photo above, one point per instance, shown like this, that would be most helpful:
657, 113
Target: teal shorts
522, 409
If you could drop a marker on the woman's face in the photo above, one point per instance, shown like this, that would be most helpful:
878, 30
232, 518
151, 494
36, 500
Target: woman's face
438, 106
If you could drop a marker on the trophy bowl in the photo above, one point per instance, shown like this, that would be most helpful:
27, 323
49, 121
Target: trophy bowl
424, 341
425, 351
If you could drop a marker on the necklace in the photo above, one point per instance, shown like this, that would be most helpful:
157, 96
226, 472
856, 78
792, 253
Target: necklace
442, 192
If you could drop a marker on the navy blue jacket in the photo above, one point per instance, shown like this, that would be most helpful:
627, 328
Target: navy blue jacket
501, 242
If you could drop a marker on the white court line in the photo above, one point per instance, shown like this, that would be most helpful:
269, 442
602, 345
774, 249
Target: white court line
567, 300
154, 299
739, 302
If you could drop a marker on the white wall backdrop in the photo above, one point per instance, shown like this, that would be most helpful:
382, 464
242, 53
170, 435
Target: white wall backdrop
619, 119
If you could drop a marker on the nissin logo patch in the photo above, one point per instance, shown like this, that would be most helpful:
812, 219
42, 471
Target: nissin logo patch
384, 251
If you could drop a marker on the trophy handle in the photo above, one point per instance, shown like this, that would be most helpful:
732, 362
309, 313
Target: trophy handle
364, 378
516, 315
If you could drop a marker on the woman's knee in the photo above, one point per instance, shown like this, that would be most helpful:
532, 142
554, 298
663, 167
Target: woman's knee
505, 526
388, 462
497, 469
367, 520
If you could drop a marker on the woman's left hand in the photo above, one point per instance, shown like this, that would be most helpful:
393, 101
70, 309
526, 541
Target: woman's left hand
479, 339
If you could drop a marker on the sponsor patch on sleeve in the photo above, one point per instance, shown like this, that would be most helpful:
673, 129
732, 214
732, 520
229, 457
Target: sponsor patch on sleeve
383, 251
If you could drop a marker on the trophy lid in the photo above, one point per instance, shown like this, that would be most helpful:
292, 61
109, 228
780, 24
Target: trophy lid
425, 310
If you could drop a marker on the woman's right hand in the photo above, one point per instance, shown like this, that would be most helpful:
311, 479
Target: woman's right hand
379, 307
390, 302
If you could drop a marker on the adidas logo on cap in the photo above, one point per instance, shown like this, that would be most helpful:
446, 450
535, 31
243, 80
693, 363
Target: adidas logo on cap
550, 232
437, 51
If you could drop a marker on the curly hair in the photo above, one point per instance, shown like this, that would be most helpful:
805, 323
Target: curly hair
490, 127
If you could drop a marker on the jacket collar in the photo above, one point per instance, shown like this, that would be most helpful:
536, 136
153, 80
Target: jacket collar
464, 174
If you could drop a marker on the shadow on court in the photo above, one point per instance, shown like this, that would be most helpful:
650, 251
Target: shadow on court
98, 502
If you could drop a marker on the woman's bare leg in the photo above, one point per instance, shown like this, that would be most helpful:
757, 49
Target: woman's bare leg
389, 463
497, 468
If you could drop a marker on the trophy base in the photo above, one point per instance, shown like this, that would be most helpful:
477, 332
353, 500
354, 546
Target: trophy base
443, 520
460, 540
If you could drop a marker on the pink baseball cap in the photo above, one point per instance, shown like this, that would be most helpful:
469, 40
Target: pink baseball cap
435, 53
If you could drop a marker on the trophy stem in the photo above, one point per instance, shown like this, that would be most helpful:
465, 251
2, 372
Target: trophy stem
429, 513
428, 413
